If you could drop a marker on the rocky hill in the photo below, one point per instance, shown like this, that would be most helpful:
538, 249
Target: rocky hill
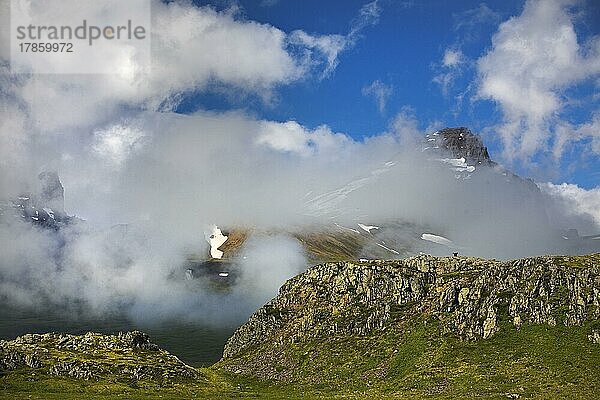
127, 356
461, 143
355, 320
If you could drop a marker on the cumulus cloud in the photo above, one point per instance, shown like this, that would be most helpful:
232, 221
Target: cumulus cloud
193, 48
116, 142
577, 200
148, 181
451, 67
380, 92
238, 171
534, 58
292, 137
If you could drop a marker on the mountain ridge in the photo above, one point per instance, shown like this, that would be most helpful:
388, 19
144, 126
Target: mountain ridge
436, 327
467, 297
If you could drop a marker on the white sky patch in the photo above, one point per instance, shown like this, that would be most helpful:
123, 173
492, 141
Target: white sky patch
452, 57
291, 137
116, 143
577, 200
535, 57
380, 92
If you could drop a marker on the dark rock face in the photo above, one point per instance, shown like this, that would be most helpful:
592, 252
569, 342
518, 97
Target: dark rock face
44, 207
52, 192
466, 295
138, 340
462, 143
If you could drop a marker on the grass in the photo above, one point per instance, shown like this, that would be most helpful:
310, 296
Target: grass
418, 361
412, 361
413, 358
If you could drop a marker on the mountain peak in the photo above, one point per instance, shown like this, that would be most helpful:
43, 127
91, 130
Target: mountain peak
461, 143
51, 191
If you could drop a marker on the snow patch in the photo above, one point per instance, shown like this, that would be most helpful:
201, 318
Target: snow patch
458, 164
387, 248
367, 228
437, 239
215, 238
343, 227
49, 211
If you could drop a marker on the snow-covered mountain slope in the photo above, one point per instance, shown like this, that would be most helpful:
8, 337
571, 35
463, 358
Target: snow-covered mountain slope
483, 187
44, 205
347, 222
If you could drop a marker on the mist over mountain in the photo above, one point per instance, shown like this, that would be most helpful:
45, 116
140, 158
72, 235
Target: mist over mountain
110, 182
389, 197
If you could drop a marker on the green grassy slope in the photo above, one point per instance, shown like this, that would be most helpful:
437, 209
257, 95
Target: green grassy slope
417, 361
416, 354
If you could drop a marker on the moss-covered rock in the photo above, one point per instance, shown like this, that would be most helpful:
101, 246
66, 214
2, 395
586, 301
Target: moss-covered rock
93, 356
464, 297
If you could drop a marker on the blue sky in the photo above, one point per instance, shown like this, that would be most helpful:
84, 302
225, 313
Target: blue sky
309, 80
404, 51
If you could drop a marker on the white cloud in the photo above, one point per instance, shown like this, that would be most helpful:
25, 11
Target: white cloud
368, 15
325, 46
193, 48
451, 68
117, 142
576, 200
406, 127
452, 57
291, 137
567, 134
534, 57
328, 47
268, 3
380, 92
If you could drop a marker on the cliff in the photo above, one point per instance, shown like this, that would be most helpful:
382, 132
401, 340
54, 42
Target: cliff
423, 327
359, 321
127, 356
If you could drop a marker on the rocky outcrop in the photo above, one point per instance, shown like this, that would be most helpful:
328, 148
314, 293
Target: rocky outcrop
461, 143
93, 356
51, 191
468, 296
42, 206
